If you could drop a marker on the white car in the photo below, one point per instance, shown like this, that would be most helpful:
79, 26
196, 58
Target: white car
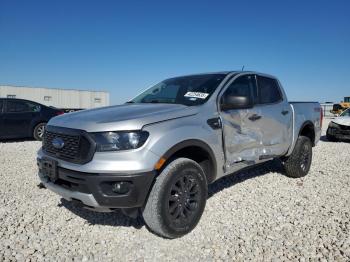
339, 128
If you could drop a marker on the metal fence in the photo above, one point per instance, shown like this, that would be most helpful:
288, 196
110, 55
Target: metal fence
327, 107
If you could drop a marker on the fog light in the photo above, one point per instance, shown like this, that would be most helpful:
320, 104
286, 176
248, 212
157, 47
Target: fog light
121, 187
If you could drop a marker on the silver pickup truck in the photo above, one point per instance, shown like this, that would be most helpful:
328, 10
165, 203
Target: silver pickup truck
157, 154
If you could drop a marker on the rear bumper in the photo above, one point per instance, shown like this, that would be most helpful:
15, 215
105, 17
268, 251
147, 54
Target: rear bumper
96, 190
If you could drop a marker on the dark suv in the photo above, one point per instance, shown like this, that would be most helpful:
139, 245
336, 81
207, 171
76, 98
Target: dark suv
21, 118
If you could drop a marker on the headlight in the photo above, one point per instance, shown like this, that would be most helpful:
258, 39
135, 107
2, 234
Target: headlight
116, 141
332, 125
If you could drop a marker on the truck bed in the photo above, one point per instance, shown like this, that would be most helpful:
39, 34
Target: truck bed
304, 112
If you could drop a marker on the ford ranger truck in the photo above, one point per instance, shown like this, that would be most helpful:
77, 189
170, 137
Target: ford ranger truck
156, 155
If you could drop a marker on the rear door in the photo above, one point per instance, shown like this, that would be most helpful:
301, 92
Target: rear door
275, 122
18, 117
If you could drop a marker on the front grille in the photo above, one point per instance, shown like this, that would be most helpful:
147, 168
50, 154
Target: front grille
70, 149
78, 147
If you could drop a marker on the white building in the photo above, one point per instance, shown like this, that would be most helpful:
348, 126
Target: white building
60, 98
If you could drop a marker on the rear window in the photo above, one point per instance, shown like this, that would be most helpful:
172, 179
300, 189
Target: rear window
268, 90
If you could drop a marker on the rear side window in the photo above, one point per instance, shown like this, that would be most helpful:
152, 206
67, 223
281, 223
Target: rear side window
22, 106
16, 107
268, 90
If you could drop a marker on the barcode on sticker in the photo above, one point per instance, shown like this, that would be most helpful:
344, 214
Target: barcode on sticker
197, 95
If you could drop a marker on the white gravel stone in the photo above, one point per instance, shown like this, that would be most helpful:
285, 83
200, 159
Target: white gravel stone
255, 215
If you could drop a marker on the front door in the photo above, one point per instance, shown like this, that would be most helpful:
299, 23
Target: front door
242, 136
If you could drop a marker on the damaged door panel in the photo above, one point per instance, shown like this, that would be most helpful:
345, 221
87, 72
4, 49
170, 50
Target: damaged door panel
243, 140
260, 132
241, 135
276, 121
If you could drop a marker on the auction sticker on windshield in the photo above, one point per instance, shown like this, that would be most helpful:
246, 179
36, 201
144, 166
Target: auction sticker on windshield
196, 95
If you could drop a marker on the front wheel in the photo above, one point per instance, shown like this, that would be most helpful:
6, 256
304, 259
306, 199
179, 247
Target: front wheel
39, 131
299, 162
177, 199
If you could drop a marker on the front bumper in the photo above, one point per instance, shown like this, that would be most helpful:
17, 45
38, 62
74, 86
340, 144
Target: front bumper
338, 133
95, 190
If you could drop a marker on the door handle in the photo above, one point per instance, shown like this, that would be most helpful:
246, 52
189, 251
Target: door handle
285, 112
254, 117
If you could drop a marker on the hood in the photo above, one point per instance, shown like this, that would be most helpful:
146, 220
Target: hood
122, 117
342, 120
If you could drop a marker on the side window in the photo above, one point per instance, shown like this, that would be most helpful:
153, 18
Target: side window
269, 91
21, 106
242, 86
16, 106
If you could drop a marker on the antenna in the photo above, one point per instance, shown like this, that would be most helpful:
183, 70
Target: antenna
242, 67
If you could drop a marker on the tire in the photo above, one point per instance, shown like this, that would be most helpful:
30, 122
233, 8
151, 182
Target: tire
38, 132
177, 199
298, 163
330, 137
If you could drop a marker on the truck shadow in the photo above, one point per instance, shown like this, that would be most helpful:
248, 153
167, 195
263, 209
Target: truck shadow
115, 219
246, 174
324, 139
118, 219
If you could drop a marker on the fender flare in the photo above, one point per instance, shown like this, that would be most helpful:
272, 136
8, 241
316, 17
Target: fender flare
306, 123
198, 143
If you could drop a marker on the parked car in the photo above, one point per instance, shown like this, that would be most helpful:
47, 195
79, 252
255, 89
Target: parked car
339, 128
157, 154
21, 118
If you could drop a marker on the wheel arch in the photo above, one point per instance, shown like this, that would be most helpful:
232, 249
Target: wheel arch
198, 151
308, 129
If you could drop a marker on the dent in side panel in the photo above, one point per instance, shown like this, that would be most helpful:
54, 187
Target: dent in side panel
254, 140
243, 142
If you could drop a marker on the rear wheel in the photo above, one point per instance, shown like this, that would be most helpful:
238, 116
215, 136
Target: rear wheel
299, 162
39, 131
177, 199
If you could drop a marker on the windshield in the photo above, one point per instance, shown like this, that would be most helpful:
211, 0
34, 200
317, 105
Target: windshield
346, 112
186, 90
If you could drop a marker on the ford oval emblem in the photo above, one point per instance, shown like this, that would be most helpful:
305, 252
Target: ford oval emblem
58, 143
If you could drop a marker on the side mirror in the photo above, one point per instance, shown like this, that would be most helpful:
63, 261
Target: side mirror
236, 102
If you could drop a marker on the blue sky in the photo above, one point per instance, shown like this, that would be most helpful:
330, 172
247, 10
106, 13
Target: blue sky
124, 47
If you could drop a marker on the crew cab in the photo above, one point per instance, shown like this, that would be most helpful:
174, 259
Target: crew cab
20, 118
156, 154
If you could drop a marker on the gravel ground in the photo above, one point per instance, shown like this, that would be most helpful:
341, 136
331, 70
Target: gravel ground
258, 215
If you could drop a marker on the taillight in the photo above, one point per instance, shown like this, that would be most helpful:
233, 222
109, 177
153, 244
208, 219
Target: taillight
59, 113
320, 109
